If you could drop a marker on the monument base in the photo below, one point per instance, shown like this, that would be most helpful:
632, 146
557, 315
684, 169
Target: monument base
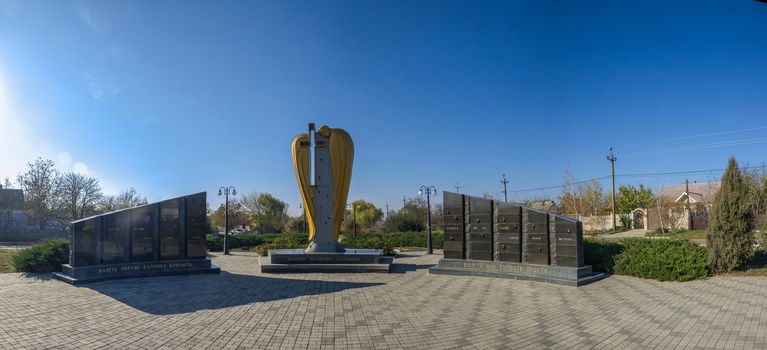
569, 276
84, 274
351, 260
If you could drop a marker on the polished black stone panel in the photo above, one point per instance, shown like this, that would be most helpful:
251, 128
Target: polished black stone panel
508, 232
113, 236
480, 228
136, 238
170, 230
535, 237
84, 242
453, 225
196, 226
568, 241
142, 233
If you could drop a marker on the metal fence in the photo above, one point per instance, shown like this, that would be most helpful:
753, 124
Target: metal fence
32, 236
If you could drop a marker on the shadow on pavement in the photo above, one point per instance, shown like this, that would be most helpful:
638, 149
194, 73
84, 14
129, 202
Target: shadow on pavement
404, 268
182, 294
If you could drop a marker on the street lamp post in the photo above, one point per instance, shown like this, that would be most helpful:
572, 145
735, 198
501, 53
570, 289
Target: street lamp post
354, 218
225, 191
429, 190
303, 222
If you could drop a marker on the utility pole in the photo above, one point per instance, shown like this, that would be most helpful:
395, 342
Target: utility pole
457, 187
403, 202
612, 160
689, 213
505, 182
387, 211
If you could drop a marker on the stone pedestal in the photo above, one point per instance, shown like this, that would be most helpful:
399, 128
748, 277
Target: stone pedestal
84, 274
570, 276
351, 260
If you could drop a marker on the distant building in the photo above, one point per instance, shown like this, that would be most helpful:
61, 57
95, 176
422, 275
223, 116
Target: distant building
673, 211
701, 194
12, 216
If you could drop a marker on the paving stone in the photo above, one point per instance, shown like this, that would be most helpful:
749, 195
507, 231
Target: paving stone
244, 309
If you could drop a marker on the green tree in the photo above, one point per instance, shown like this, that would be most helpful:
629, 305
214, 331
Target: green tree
729, 235
237, 216
266, 213
403, 221
630, 198
367, 215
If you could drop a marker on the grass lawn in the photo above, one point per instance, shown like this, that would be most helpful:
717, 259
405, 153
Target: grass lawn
5, 260
757, 266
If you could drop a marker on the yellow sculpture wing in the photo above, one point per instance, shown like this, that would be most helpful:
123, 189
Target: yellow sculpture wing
341, 158
302, 164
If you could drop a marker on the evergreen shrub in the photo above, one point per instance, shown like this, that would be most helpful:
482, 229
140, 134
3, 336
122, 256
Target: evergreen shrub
47, 256
662, 259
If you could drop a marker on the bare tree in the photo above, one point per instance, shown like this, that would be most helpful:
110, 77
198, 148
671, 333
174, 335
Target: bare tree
40, 183
79, 195
126, 199
568, 198
7, 183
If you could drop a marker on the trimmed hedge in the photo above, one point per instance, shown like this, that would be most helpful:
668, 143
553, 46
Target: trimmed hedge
246, 241
47, 256
370, 241
384, 241
402, 239
283, 241
601, 254
662, 259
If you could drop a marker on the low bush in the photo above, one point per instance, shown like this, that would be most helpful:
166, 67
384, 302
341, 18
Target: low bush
47, 256
215, 243
283, 241
403, 222
662, 259
245, 241
601, 254
370, 241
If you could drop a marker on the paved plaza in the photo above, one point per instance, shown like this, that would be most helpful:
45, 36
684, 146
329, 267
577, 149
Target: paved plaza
407, 309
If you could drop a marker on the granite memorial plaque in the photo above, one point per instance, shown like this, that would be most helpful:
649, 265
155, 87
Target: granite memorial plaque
170, 230
142, 233
508, 240
143, 241
568, 247
453, 226
508, 232
113, 238
480, 229
84, 245
536, 237
196, 245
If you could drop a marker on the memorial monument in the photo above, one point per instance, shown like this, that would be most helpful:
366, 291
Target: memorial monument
497, 239
164, 238
324, 188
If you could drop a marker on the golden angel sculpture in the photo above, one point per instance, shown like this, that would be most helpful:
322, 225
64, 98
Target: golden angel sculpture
331, 151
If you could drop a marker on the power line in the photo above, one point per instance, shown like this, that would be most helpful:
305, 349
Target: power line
635, 175
694, 136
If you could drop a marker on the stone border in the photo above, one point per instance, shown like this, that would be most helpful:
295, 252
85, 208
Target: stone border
569, 276
84, 274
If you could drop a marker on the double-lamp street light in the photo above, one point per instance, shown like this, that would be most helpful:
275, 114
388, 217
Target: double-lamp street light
225, 191
429, 190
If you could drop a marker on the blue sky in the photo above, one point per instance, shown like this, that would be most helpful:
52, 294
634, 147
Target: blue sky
175, 97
